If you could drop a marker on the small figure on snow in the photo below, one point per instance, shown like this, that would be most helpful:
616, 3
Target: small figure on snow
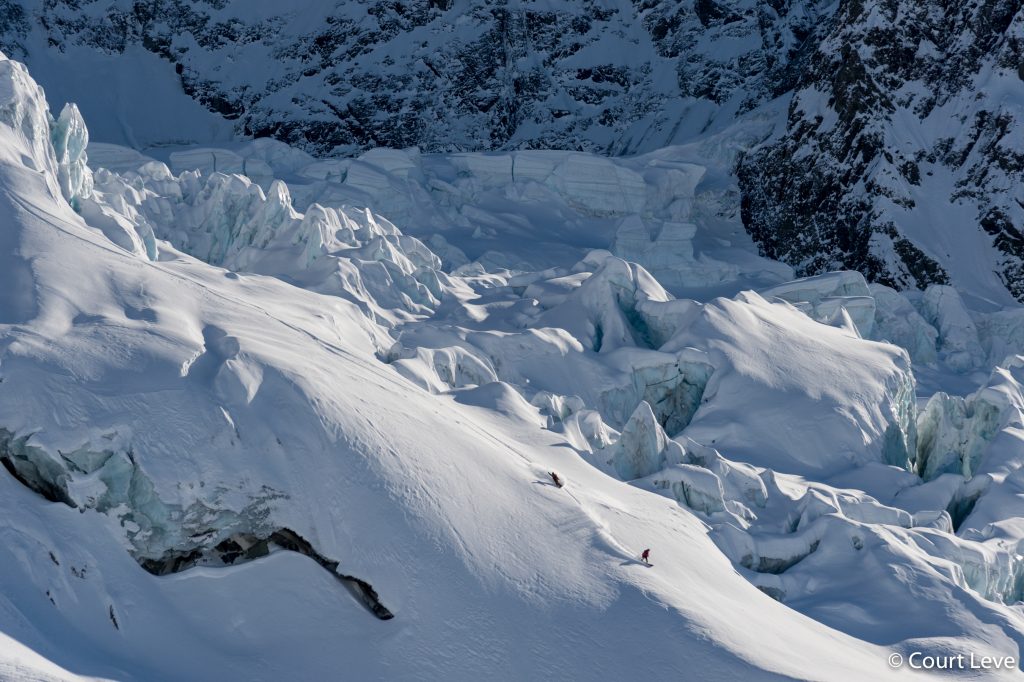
556, 479
646, 557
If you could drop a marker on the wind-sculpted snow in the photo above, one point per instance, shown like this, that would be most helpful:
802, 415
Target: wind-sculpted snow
201, 374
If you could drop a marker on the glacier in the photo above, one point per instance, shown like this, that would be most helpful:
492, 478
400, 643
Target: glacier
250, 400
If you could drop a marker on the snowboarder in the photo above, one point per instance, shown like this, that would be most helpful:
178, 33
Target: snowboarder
645, 556
556, 479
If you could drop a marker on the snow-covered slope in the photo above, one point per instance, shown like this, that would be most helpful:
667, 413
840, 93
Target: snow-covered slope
250, 440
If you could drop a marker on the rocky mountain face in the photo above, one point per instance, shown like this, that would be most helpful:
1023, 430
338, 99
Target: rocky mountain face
896, 157
335, 76
899, 156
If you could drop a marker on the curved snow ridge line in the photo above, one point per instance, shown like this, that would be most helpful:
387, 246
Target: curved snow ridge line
47, 479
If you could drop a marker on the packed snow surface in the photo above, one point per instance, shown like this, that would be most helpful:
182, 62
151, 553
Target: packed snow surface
376, 362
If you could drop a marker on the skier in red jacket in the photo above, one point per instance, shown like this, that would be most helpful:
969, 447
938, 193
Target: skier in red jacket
645, 556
